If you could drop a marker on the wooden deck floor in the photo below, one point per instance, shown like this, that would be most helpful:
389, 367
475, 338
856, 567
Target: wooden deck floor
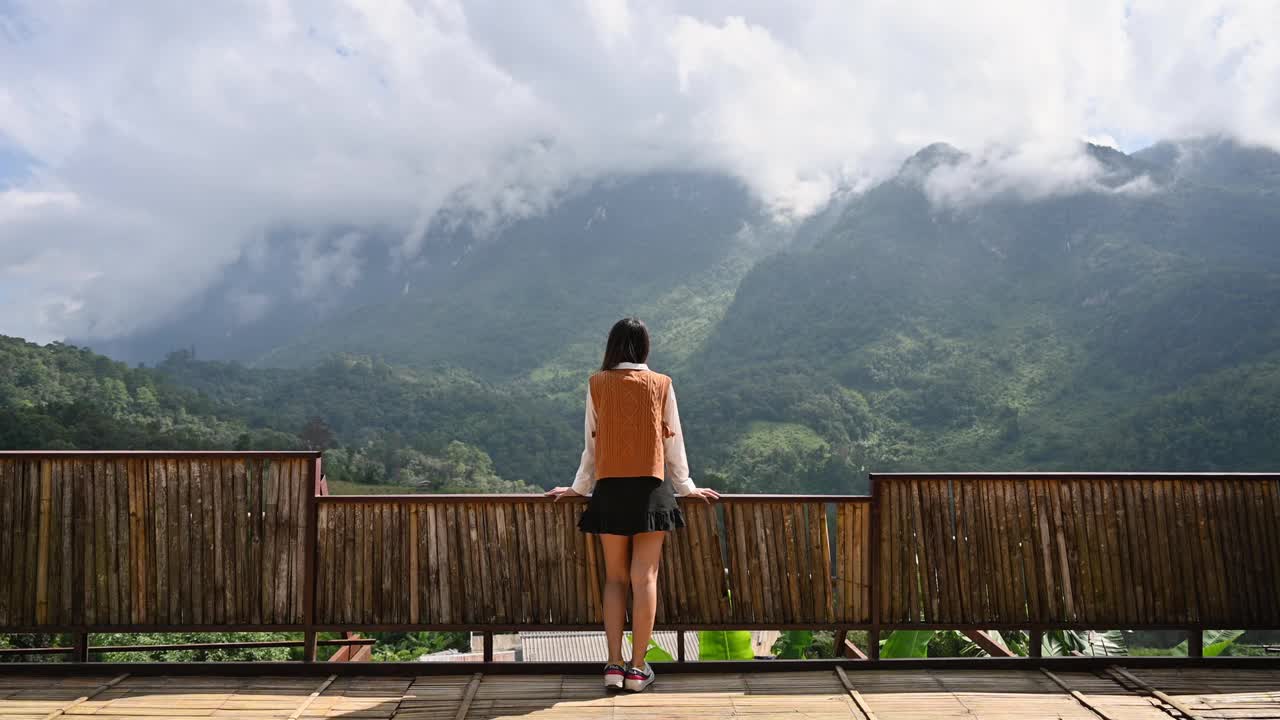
884, 694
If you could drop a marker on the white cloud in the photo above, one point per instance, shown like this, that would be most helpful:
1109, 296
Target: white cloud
1029, 171
329, 265
167, 138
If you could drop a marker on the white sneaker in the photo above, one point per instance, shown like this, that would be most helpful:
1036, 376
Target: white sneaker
638, 679
613, 675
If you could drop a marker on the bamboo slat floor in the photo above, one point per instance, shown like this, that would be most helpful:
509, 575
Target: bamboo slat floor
888, 694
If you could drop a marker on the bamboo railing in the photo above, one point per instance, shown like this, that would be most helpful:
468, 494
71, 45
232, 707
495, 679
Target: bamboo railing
518, 561
1099, 551
122, 542
155, 541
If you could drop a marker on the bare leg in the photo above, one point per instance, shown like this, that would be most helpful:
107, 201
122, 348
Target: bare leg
646, 553
617, 579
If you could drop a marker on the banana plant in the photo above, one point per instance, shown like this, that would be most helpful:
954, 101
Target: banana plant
1085, 642
725, 645
915, 643
1215, 642
906, 644
795, 643
655, 653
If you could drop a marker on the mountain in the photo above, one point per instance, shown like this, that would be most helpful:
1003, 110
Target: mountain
290, 281
1121, 323
529, 297
380, 424
1017, 333
535, 299
1216, 161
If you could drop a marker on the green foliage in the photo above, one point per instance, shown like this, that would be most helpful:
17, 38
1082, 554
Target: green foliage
792, 644
63, 397
342, 487
1216, 642
655, 653
391, 421
215, 655
906, 644
33, 640
725, 645
461, 468
409, 646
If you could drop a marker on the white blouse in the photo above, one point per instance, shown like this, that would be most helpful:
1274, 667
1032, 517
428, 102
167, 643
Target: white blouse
677, 464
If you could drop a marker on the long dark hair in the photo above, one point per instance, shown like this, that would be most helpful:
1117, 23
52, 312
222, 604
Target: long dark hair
628, 342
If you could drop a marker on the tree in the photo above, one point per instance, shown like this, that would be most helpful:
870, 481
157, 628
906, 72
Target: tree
317, 435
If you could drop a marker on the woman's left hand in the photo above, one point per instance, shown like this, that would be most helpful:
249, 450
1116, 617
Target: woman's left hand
559, 492
706, 494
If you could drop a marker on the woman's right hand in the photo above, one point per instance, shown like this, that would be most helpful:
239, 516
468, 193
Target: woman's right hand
559, 492
705, 494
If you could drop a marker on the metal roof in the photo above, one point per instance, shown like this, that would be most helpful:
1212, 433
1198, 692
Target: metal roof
554, 646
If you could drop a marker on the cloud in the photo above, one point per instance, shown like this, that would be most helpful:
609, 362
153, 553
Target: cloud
160, 143
336, 266
1030, 171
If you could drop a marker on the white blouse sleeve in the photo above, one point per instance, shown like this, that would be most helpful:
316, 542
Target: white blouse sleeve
677, 464
585, 481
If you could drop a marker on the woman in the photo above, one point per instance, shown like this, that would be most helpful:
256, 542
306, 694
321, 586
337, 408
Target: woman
633, 440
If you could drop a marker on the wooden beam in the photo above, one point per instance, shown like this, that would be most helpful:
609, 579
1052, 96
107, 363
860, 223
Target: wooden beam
488, 646
364, 653
1116, 670
312, 697
470, 695
856, 696
84, 698
1080, 698
853, 650
988, 643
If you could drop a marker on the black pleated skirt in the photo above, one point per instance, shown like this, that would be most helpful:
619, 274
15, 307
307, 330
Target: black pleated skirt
630, 505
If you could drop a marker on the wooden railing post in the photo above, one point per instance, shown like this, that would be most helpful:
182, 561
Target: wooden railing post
488, 646
1037, 643
1195, 643
873, 635
309, 646
80, 647
680, 646
314, 488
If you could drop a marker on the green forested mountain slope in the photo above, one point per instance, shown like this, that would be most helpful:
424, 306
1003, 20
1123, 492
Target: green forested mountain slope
380, 424
1015, 334
388, 413
63, 397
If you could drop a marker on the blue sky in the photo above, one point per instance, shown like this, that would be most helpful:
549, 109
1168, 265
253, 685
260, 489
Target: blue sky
15, 165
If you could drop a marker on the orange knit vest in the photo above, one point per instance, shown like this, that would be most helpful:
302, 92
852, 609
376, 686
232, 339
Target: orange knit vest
629, 408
